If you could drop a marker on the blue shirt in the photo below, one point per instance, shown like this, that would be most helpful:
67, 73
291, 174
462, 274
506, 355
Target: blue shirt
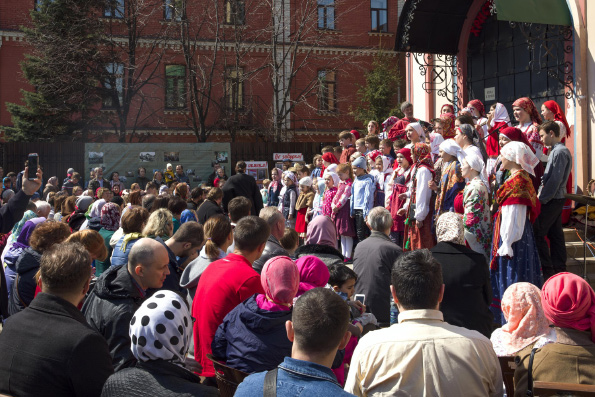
296, 378
362, 194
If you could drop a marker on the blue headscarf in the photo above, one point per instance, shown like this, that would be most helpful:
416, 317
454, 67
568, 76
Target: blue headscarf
187, 216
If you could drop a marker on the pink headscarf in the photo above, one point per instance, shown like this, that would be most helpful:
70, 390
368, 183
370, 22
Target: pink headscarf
280, 279
313, 273
521, 305
569, 302
322, 231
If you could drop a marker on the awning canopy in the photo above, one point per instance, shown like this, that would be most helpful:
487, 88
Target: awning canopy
434, 26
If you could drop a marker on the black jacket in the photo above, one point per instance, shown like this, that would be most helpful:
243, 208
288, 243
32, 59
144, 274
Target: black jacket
372, 262
251, 339
467, 288
272, 249
12, 212
109, 308
208, 209
94, 185
155, 379
242, 185
49, 349
23, 288
327, 254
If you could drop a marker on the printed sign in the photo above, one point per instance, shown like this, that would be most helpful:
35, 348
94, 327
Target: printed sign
257, 169
490, 94
288, 156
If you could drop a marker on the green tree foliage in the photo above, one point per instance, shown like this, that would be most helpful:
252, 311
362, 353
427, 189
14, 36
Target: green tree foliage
65, 66
378, 97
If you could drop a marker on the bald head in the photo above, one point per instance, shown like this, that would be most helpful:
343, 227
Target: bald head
145, 252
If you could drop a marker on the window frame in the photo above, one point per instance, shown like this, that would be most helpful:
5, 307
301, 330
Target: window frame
377, 12
172, 13
234, 88
231, 12
111, 9
324, 100
176, 100
325, 17
115, 70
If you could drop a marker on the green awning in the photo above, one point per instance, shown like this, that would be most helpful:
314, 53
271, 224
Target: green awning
551, 12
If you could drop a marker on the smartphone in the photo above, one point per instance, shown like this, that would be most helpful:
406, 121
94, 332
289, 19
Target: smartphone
360, 297
33, 161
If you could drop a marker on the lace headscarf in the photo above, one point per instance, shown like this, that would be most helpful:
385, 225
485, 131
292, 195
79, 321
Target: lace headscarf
521, 154
450, 228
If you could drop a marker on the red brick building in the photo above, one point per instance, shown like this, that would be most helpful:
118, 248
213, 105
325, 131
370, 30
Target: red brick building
271, 70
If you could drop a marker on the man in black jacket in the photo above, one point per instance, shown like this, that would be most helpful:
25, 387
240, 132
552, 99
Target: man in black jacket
242, 185
12, 212
48, 348
119, 291
211, 206
98, 181
273, 248
373, 261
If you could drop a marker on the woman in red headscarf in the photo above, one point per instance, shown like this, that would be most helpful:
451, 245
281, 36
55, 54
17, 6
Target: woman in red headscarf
447, 108
569, 305
479, 115
526, 114
330, 162
551, 111
418, 210
448, 125
498, 119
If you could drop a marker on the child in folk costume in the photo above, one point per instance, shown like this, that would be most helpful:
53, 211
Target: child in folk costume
340, 210
451, 181
418, 225
498, 119
383, 178
400, 180
331, 180
318, 185
362, 197
514, 256
526, 114
304, 202
287, 203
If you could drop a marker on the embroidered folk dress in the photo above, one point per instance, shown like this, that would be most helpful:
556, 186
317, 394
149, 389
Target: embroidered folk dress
343, 222
477, 217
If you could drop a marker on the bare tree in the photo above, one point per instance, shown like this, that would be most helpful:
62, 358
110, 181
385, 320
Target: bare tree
135, 51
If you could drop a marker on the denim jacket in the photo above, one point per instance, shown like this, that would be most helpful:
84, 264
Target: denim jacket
296, 378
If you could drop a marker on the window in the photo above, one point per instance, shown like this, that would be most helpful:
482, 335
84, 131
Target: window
115, 81
172, 10
234, 88
327, 95
114, 9
379, 14
40, 3
326, 14
235, 12
175, 86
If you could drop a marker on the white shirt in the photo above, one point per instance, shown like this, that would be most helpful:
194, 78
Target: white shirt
424, 356
512, 226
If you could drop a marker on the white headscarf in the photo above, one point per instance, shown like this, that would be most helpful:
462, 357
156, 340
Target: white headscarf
451, 147
306, 181
500, 114
474, 161
160, 329
435, 142
335, 177
419, 129
96, 208
290, 175
521, 154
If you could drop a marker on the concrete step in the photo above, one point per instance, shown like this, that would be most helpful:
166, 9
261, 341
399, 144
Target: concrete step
576, 249
576, 266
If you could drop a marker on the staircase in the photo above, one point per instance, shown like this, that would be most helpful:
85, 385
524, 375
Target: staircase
575, 251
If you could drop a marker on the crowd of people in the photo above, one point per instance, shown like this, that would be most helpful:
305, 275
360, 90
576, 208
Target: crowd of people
404, 262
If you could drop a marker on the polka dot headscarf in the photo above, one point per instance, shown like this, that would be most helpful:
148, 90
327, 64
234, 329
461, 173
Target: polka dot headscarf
160, 329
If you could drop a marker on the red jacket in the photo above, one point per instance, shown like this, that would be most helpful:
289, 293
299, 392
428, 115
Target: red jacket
346, 154
222, 286
398, 130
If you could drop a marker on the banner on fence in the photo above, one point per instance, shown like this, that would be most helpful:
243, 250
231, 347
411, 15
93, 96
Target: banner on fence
258, 169
288, 156
126, 158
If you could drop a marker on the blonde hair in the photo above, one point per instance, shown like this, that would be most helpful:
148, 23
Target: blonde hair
158, 224
346, 168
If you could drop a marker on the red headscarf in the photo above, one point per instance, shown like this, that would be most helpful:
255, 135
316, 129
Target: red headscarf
477, 105
406, 152
329, 157
528, 106
423, 154
448, 125
558, 114
355, 134
515, 134
373, 154
569, 302
280, 279
448, 105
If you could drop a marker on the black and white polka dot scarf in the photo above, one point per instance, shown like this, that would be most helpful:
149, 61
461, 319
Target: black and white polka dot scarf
160, 328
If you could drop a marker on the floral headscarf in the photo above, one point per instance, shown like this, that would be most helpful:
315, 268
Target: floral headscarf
448, 125
110, 217
450, 228
422, 154
526, 321
18, 227
528, 106
477, 105
435, 141
290, 175
388, 123
521, 154
449, 106
161, 329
